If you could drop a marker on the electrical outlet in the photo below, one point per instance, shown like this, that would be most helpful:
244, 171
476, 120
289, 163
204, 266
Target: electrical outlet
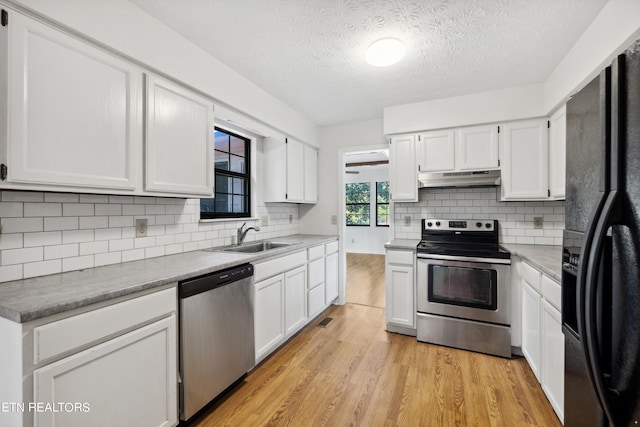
141, 227
334, 219
537, 222
264, 220
407, 220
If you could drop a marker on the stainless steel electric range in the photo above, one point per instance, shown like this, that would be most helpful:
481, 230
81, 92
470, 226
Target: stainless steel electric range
463, 286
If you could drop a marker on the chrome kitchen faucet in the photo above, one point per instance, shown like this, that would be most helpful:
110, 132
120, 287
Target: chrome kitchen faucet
243, 232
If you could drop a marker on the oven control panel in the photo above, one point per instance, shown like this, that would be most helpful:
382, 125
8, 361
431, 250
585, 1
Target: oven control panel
460, 225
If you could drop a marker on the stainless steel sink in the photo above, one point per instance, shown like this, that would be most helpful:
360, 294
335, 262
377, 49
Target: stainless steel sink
257, 246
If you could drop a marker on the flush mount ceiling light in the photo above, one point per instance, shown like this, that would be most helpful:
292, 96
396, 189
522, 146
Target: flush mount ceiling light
384, 52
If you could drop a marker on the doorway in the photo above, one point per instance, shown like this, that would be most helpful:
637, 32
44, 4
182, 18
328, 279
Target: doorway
366, 224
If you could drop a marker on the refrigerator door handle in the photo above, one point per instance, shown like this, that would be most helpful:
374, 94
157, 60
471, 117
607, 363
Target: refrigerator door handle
590, 339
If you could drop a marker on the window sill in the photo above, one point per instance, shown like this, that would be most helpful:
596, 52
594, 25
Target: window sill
228, 220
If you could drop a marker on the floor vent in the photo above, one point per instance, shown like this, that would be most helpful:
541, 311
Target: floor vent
324, 322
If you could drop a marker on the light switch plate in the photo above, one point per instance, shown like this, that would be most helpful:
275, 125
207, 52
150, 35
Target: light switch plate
334, 219
264, 220
141, 227
407, 220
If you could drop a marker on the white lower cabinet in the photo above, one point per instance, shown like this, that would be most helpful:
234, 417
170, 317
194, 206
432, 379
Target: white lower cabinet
129, 380
331, 278
268, 315
400, 306
542, 337
295, 292
531, 301
552, 378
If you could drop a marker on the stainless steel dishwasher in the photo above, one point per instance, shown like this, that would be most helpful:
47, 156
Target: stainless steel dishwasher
216, 335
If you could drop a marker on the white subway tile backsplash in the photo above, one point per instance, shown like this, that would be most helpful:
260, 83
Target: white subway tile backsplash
11, 209
90, 248
77, 209
21, 225
42, 268
11, 241
61, 251
61, 223
107, 258
77, 263
77, 236
22, 256
45, 233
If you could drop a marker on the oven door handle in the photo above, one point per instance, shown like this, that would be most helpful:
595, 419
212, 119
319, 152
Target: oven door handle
505, 261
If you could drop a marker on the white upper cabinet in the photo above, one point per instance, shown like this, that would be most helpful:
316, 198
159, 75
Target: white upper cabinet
403, 179
291, 171
477, 148
74, 112
179, 140
310, 174
436, 151
525, 173
557, 153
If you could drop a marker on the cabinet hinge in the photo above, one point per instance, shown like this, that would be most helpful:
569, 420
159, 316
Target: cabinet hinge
498, 129
286, 196
286, 140
5, 18
389, 141
3, 172
548, 193
498, 162
419, 136
418, 168
548, 124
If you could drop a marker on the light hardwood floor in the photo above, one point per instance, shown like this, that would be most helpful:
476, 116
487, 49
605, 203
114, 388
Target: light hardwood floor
365, 279
354, 373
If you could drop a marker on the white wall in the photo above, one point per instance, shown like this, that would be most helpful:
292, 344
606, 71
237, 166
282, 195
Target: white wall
615, 27
123, 27
486, 107
368, 240
316, 219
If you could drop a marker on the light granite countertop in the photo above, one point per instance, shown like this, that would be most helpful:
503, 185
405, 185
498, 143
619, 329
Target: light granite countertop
402, 244
30, 299
547, 259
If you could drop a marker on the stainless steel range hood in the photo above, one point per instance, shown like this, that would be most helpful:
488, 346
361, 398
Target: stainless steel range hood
488, 178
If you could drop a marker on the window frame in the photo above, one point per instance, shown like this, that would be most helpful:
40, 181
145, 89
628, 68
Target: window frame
246, 175
382, 203
368, 204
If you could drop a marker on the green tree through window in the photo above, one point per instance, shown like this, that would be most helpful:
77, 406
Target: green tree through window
358, 196
382, 203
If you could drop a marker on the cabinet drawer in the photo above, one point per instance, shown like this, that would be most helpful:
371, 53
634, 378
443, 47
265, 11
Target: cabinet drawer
68, 334
551, 291
316, 273
315, 300
315, 252
531, 276
275, 266
401, 257
331, 247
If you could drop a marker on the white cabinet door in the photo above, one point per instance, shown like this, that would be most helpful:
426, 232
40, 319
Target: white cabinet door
400, 301
316, 273
310, 174
553, 357
331, 278
525, 167
268, 315
130, 380
295, 299
315, 300
403, 179
531, 302
179, 140
436, 151
74, 112
295, 171
477, 148
557, 153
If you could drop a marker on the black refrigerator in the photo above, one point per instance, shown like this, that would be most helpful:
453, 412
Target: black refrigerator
601, 249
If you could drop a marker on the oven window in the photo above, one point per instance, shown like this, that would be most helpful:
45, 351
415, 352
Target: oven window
469, 287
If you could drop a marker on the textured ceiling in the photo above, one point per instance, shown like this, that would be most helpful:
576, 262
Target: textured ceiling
310, 53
